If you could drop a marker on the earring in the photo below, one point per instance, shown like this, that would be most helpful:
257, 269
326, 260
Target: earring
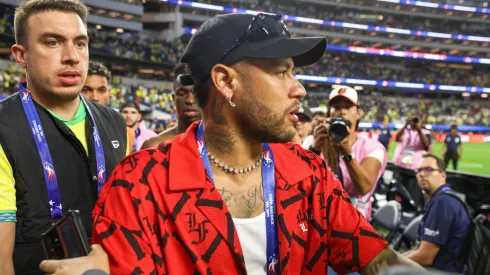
228, 97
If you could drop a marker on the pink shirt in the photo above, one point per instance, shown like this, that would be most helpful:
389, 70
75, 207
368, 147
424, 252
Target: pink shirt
409, 150
361, 149
144, 135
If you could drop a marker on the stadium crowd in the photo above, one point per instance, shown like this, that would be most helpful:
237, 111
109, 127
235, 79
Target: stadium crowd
135, 47
247, 180
393, 108
336, 13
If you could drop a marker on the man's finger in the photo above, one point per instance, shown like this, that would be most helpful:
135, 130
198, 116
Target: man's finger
320, 131
50, 266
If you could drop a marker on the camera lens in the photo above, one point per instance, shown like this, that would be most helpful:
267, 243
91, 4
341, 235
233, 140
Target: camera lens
415, 120
338, 129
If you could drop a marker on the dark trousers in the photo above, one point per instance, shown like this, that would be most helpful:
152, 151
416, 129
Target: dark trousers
451, 156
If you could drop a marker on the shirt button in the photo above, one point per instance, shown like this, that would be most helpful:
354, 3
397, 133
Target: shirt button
94, 178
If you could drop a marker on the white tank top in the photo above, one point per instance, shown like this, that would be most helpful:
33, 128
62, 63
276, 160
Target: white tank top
253, 238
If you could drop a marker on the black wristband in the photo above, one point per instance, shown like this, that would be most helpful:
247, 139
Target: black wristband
314, 150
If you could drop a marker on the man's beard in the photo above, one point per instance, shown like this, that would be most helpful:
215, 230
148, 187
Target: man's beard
261, 123
132, 124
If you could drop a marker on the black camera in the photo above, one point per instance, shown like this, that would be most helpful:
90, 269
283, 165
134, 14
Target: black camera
415, 120
338, 129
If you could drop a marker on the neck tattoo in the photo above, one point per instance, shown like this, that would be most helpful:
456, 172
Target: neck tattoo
233, 170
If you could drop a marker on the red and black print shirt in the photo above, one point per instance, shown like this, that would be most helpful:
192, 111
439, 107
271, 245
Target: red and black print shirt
159, 213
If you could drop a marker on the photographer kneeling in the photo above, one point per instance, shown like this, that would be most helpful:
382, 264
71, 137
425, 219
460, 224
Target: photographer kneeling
358, 162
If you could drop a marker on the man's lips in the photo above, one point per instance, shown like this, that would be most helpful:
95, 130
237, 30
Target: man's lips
292, 114
69, 77
191, 112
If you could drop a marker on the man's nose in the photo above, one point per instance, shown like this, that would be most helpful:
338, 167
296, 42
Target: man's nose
70, 54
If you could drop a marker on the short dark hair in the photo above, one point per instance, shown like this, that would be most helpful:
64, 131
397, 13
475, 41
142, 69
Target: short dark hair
201, 92
130, 104
439, 162
454, 126
96, 68
32, 7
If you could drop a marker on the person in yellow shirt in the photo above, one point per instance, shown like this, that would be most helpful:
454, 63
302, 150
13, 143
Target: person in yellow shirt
56, 149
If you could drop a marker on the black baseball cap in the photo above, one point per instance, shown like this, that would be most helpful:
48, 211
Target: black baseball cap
305, 112
227, 39
130, 104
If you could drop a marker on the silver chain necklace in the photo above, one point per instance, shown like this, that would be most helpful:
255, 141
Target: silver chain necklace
234, 170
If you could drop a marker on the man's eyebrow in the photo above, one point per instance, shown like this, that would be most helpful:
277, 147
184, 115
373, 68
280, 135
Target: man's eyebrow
59, 36
281, 63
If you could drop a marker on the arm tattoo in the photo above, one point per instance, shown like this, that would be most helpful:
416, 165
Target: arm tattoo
384, 259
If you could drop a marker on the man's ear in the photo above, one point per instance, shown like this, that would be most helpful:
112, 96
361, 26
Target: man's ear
224, 79
19, 52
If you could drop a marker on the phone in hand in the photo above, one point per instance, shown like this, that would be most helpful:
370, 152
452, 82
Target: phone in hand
66, 238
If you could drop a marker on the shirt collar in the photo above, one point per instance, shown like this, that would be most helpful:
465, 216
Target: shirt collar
442, 188
79, 116
185, 157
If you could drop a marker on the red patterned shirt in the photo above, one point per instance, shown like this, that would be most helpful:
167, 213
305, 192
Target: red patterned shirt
159, 213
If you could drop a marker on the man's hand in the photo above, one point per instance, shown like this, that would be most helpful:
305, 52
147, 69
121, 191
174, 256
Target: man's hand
345, 146
96, 259
320, 134
418, 126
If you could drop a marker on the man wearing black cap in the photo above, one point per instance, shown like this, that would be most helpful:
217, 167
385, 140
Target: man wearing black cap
185, 107
304, 125
229, 196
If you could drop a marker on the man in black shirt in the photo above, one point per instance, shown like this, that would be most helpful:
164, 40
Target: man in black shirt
452, 148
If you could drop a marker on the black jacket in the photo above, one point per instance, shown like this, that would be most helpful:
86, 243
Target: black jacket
75, 171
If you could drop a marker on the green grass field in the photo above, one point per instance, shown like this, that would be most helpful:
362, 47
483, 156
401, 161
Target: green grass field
476, 157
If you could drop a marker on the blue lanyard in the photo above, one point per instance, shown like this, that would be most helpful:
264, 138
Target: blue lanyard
46, 160
135, 144
269, 198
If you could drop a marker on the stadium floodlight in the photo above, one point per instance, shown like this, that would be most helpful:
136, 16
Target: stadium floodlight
337, 24
438, 6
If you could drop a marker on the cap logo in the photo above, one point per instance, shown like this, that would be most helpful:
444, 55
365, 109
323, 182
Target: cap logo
342, 91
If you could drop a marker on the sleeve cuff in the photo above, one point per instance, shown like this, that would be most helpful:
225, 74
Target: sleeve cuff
8, 216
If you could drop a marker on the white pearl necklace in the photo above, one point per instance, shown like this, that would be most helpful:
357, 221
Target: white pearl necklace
234, 170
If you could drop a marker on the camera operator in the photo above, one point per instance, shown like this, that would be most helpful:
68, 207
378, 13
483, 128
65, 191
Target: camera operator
413, 142
358, 162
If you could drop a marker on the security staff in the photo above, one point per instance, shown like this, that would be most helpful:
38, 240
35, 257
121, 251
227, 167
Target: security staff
385, 135
56, 149
452, 144
445, 224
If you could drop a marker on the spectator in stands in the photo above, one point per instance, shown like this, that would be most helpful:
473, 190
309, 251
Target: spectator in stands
132, 114
385, 135
96, 86
304, 124
44, 130
198, 214
413, 141
445, 225
358, 162
185, 106
452, 148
